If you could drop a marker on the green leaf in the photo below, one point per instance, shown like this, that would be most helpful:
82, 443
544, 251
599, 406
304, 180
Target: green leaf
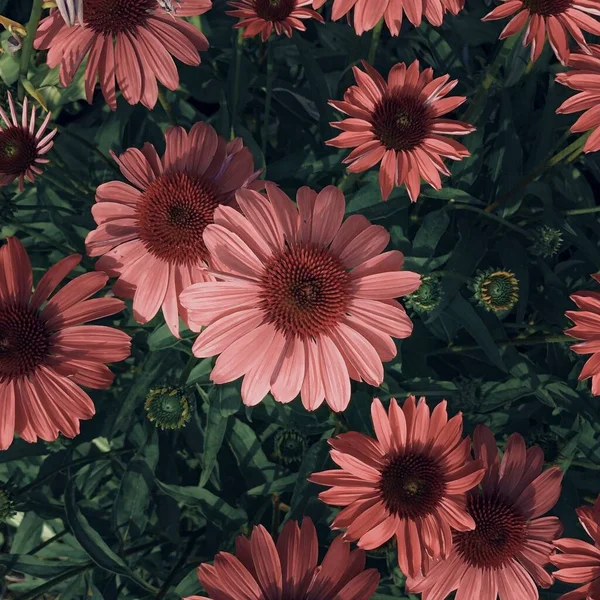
229, 399
36, 567
430, 233
277, 486
28, 534
216, 426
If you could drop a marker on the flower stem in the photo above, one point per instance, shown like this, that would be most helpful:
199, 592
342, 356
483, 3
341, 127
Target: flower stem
167, 107
185, 374
489, 215
32, 25
581, 211
269, 97
375, 42
525, 341
571, 152
239, 46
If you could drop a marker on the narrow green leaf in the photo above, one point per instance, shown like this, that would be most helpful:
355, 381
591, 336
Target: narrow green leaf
216, 425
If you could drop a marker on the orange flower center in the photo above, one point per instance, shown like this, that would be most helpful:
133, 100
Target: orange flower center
111, 17
305, 291
400, 120
547, 7
412, 485
498, 536
24, 341
274, 10
173, 214
18, 151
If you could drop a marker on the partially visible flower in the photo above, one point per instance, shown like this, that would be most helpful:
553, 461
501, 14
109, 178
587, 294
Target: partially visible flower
580, 561
496, 291
47, 351
547, 440
506, 553
428, 296
547, 241
290, 446
368, 13
264, 16
583, 77
556, 18
150, 230
411, 482
263, 570
71, 11
587, 328
401, 124
169, 407
22, 148
7, 502
468, 391
127, 42
306, 300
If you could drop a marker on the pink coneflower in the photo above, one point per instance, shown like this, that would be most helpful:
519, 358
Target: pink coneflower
132, 40
288, 570
264, 16
557, 18
150, 232
580, 561
306, 301
506, 553
46, 351
71, 11
22, 148
400, 124
368, 13
584, 77
587, 328
410, 482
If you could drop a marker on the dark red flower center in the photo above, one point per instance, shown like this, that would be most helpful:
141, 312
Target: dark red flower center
274, 10
175, 210
401, 120
18, 151
111, 17
547, 7
498, 536
412, 485
305, 291
24, 341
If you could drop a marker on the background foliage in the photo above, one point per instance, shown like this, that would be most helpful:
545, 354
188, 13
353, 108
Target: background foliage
127, 511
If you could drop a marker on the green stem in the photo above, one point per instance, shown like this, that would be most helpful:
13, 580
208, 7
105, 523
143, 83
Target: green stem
167, 107
581, 211
43, 237
269, 97
66, 131
528, 341
239, 46
26, 51
571, 152
491, 216
187, 370
375, 42
49, 541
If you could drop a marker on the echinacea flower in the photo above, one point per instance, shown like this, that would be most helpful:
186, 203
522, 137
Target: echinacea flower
506, 554
587, 328
264, 16
400, 124
367, 13
410, 482
130, 40
47, 351
580, 561
496, 290
263, 570
71, 11
150, 229
22, 148
556, 18
584, 76
306, 301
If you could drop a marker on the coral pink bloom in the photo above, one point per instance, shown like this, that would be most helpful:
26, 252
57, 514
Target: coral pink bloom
132, 40
22, 148
264, 16
504, 556
400, 124
585, 78
557, 18
410, 482
580, 561
46, 351
587, 328
150, 230
288, 570
306, 301
368, 13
